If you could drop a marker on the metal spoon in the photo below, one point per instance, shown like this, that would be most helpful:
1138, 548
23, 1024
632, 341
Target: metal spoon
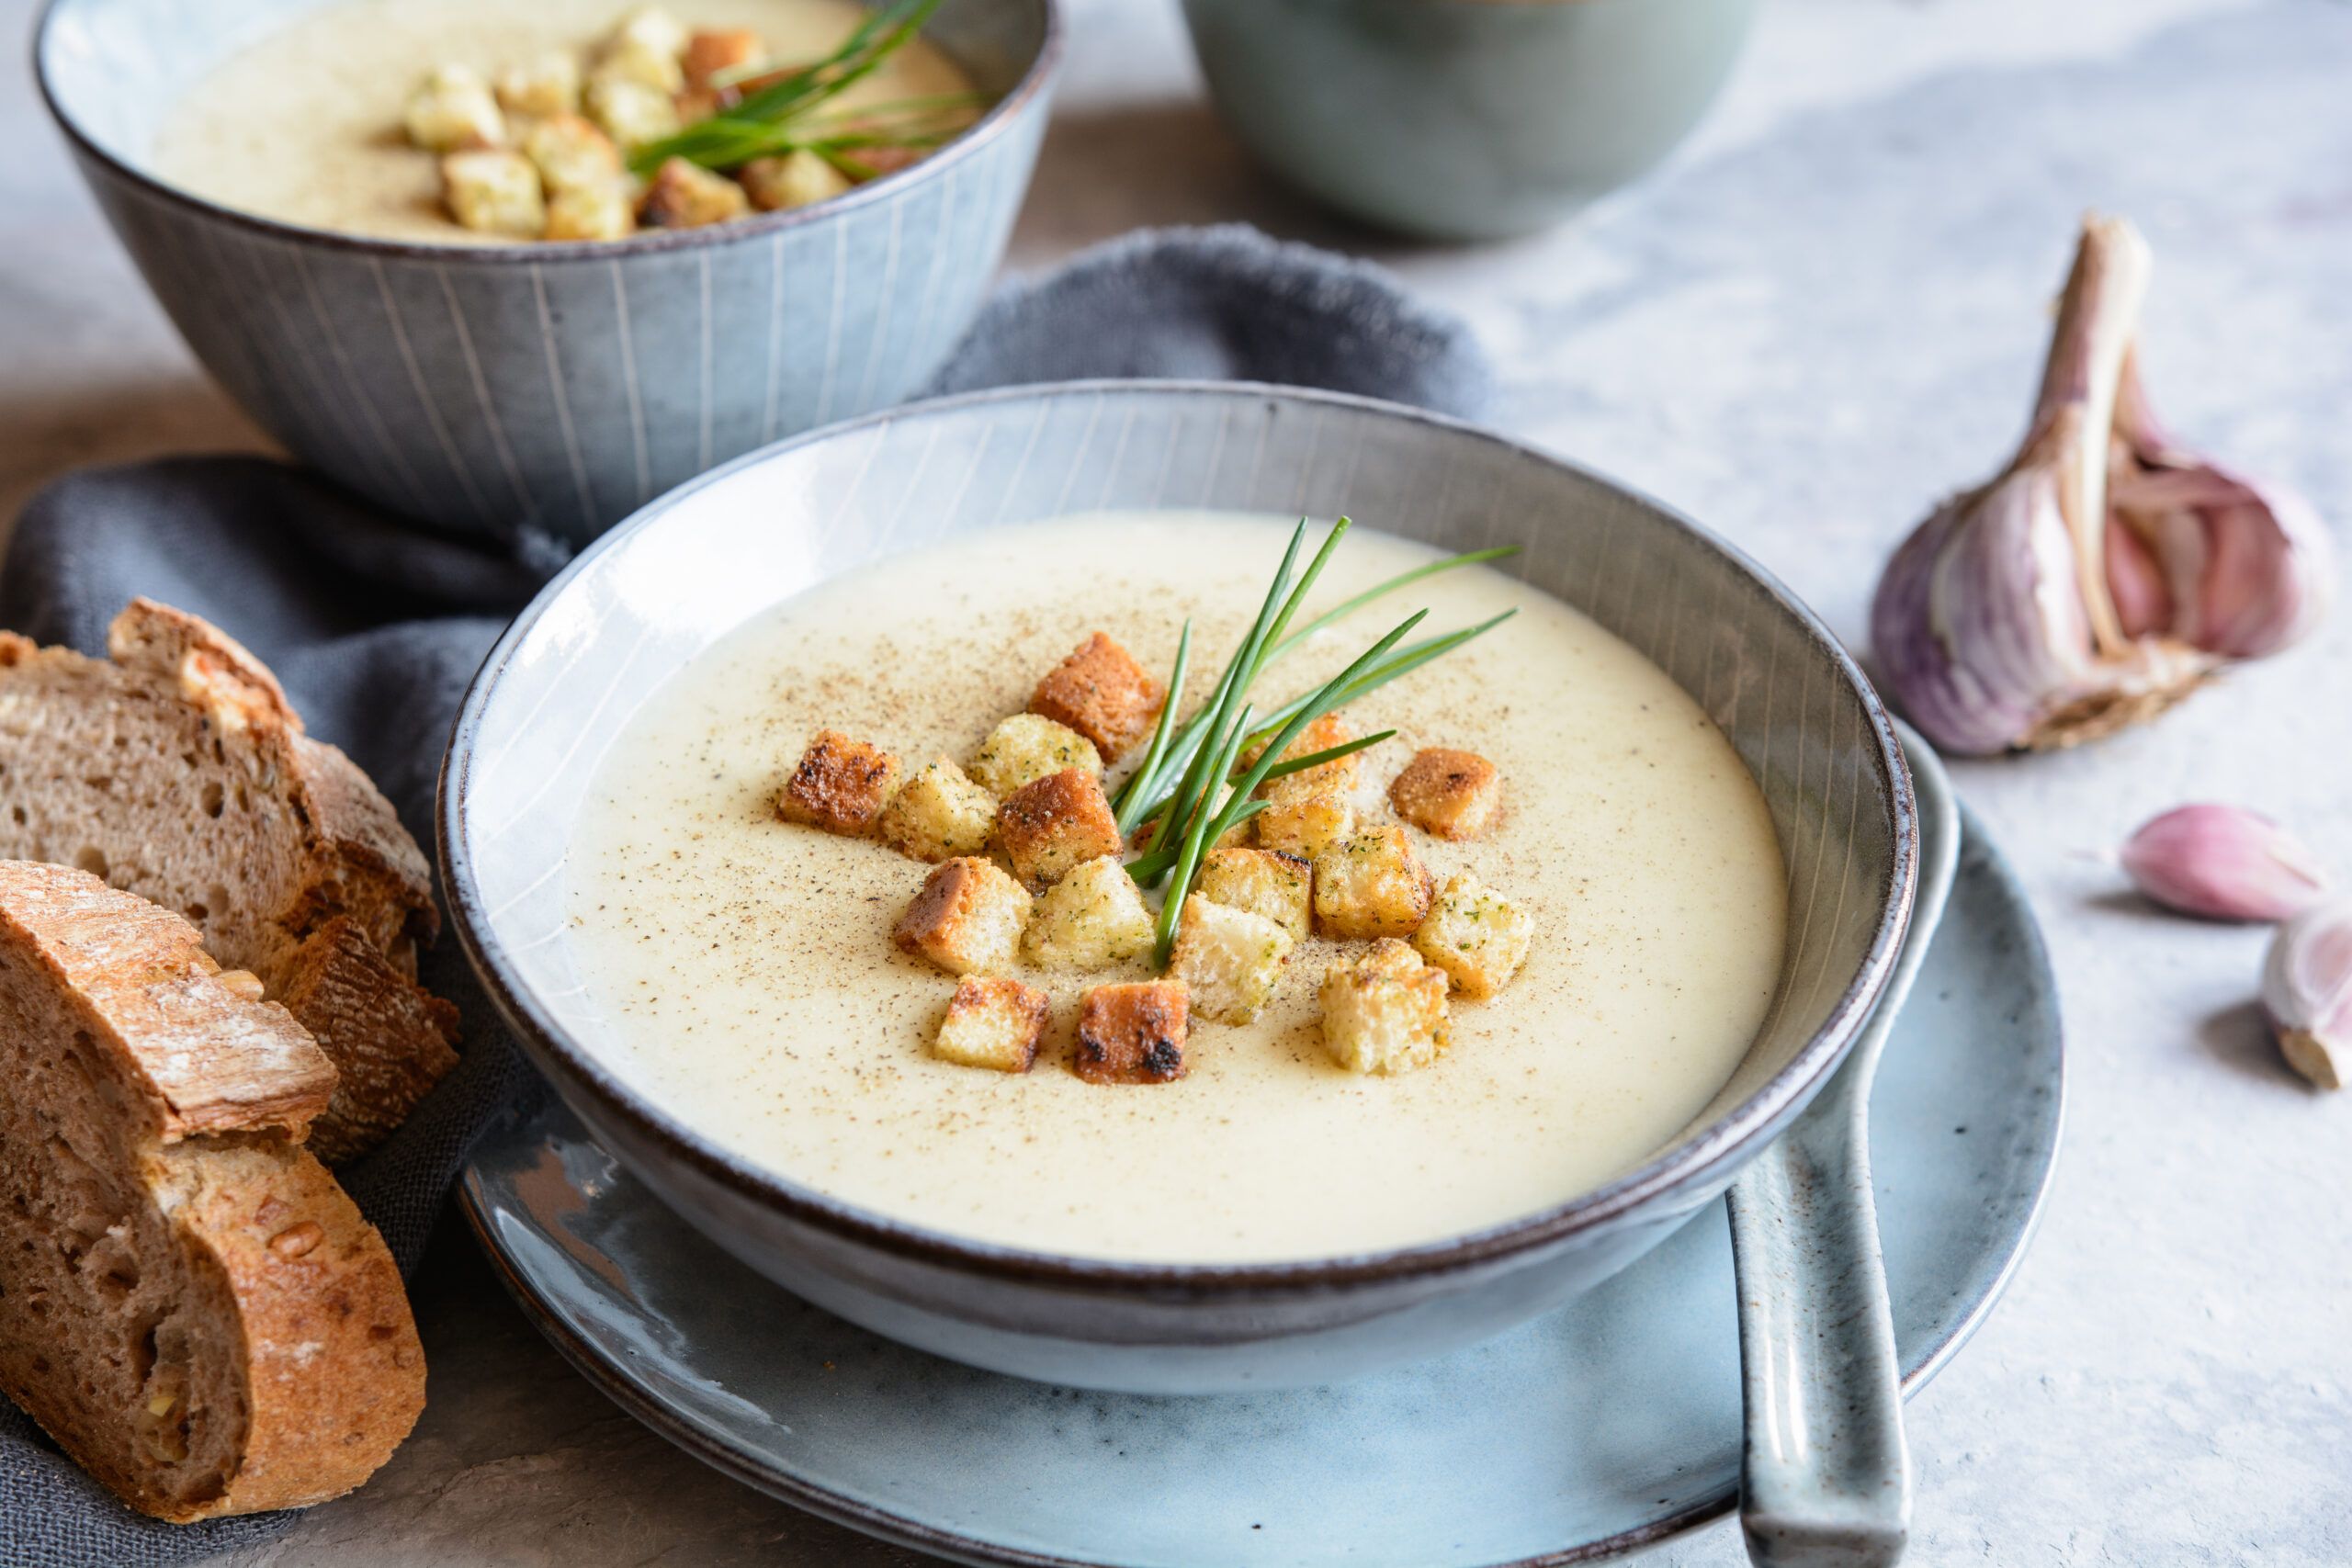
1826, 1479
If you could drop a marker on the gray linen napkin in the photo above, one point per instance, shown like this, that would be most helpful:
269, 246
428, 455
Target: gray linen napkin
376, 629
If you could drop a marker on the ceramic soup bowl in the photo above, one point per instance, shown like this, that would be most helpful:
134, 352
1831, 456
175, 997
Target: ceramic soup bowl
561, 386
628, 615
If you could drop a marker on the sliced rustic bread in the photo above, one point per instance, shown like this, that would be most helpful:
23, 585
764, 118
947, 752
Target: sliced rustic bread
178, 770
189, 1303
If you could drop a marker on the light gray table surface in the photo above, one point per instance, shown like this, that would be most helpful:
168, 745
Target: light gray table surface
1823, 316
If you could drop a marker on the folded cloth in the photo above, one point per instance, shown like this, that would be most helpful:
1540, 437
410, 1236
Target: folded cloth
376, 629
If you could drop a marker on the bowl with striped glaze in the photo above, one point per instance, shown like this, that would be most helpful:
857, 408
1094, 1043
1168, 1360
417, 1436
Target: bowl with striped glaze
604, 638
556, 387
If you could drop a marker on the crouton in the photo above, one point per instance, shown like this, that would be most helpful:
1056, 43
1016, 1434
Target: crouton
591, 213
937, 814
1092, 918
1227, 958
494, 192
1060, 821
1027, 746
572, 153
1264, 881
631, 113
1372, 885
547, 86
1384, 1012
795, 179
687, 196
648, 27
453, 110
840, 785
1448, 793
714, 50
1476, 936
1327, 730
1101, 692
1304, 820
967, 920
1132, 1034
993, 1023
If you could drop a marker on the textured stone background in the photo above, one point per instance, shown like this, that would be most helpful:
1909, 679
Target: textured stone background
1825, 315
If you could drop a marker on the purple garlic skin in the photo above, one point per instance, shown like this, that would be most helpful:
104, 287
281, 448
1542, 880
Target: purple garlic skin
2223, 862
2307, 990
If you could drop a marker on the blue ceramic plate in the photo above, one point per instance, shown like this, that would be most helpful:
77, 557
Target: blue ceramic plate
1609, 1423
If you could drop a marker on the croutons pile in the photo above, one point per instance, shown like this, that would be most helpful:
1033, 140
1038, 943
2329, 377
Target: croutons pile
535, 150
1028, 869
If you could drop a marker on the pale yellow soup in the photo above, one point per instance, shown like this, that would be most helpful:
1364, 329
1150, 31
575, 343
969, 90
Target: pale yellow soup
304, 125
747, 967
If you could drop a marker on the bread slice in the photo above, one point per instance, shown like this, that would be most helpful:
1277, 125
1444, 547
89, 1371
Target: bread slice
189, 1303
178, 770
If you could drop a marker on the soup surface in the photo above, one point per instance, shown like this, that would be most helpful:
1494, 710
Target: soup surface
304, 124
747, 969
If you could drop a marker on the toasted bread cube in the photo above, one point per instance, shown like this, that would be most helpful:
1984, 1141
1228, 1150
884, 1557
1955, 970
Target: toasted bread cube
1264, 882
453, 110
795, 179
591, 213
1448, 793
1327, 730
1384, 1012
838, 784
967, 920
648, 28
572, 153
494, 192
1304, 820
939, 814
1476, 936
546, 86
1227, 958
631, 113
1027, 747
1093, 918
639, 66
1101, 692
1371, 886
993, 1023
1060, 821
714, 50
1132, 1033
687, 196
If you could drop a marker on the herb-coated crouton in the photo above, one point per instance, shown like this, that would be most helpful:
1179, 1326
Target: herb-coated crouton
591, 213
1060, 821
687, 196
1327, 730
1303, 821
1264, 881
1476, 936
631, 113
1384, 1012
546, 86
1027, 746
838, 784
993, 1023
1227, 958
938, 813
967, 920
1101, 692
795, 179
572, 153
648, 27
1092, 918
1371, 886
454, 110
1449, 794
714, 50
1132, 1033
494, 192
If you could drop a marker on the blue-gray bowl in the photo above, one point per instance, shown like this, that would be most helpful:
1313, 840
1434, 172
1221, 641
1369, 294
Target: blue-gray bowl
1464, 120
561, 386
600, 642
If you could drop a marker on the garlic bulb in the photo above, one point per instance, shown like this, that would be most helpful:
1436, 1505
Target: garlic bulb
2106, 572
2307, 988
2222, 862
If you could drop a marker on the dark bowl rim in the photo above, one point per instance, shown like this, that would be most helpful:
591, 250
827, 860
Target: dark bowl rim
1699, 1164
1035, 84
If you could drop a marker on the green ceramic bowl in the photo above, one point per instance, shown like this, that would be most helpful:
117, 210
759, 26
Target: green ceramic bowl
1465, 118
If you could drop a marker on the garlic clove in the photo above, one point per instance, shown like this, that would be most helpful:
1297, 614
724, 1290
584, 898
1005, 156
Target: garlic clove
2307, 989
2222, 862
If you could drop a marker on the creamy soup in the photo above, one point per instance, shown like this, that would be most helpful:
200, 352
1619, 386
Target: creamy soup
304, 125
748, 968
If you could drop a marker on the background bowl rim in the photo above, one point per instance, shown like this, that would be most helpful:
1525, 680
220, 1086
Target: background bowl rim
1714, 1151
1032, 87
